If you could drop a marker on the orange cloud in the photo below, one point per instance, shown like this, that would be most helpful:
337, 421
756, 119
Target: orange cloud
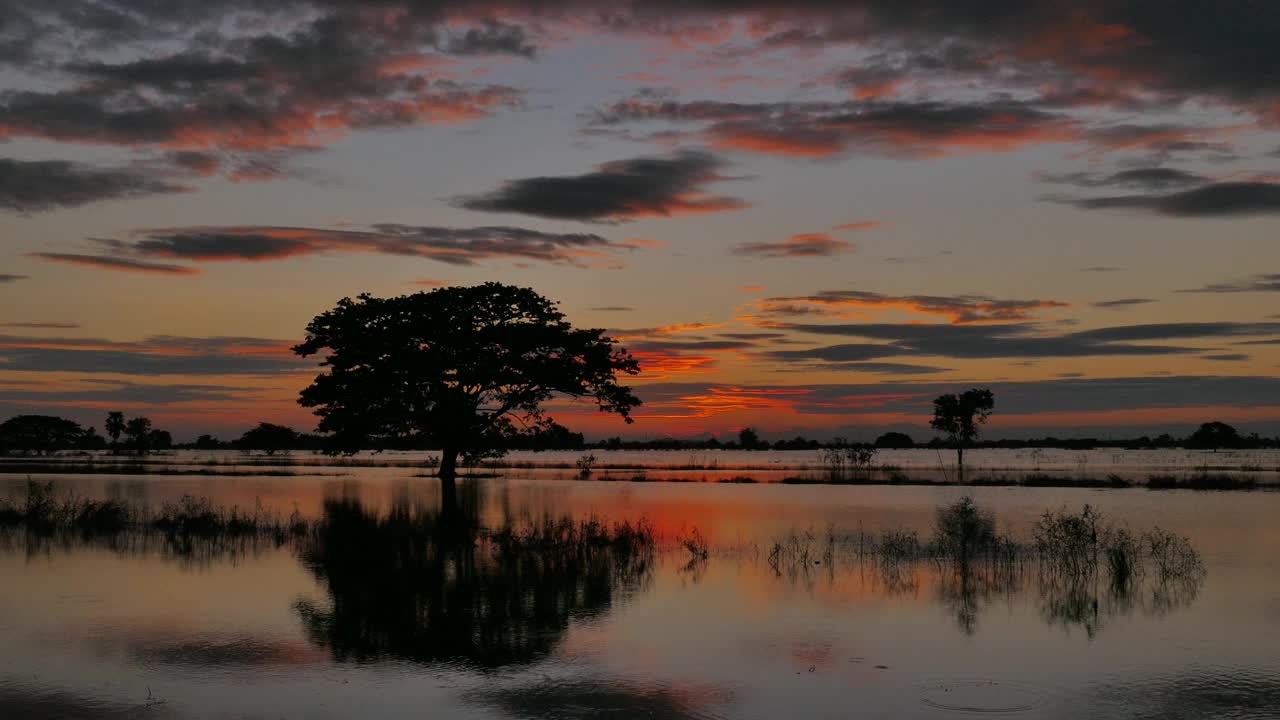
803, 245
859, 225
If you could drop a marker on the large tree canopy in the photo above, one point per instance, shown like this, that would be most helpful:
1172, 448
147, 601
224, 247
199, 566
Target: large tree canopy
960, 417
458, 368
39, 434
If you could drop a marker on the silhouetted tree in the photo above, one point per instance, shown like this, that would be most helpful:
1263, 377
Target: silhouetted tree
159, 440
1214, 435
268, 438
959, 416
115, 427
458, 368
895, 441
749, 439
39, 434
138, 434
207, 442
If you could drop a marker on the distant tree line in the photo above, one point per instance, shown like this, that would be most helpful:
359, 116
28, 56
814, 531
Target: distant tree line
46, 434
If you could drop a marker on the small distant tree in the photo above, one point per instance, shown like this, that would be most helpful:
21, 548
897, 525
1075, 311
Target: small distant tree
895, 441
91, 440
1214, 435
458, 368
39, 434
207, 442
961, 416
749, 439
159, 440
268, 438
138, 434
115, 428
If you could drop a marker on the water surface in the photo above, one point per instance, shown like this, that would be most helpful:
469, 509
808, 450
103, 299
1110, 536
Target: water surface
364, 620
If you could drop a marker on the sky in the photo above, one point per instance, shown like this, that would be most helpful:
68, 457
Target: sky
805, 217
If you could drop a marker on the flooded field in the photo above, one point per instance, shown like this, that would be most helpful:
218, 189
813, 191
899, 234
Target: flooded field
754, 601
1260, 467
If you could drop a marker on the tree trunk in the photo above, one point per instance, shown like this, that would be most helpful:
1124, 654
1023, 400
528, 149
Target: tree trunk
960, 460
448, 481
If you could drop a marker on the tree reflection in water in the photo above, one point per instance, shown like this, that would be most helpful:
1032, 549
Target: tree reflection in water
431, 586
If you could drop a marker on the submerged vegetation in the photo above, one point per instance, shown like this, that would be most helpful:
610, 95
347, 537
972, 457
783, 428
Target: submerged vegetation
42, 510
1081, 567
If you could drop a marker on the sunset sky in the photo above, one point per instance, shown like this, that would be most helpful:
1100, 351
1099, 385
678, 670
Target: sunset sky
808, 217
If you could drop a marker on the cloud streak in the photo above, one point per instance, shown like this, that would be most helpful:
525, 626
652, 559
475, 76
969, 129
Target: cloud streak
959, 309
803, 245
1213, 200
38, 186
450, 245
1018, 340
617, 191
107, 262
158, 355
1258, 283
826, 129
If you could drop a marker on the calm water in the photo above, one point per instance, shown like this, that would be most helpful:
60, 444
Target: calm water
360, 621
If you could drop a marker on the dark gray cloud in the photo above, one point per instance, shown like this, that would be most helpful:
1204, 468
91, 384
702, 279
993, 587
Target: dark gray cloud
40, 325
670, 346
10, 277
1018, 340
1100, 269
617, 191
41, 185
1146, 178
754, 335
612, 308
1121, 303
1222, 199
125, 393
228, 69
1258, 283
1226, 357
249, 78
454, 246
958, 309
875, 368
108, 262
819, 129
492, 38
159, 355
1013, 398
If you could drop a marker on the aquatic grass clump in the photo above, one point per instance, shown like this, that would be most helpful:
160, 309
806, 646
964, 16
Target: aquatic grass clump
566, 535
1207, 481
962, 530
694, 543
799, 550
1202, 481
1172, 555
43, 512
